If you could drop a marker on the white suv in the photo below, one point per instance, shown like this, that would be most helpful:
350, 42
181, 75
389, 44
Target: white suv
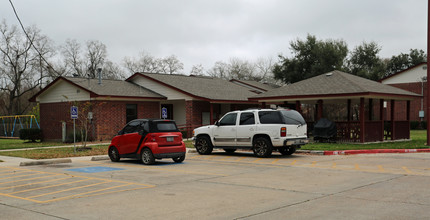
262, 130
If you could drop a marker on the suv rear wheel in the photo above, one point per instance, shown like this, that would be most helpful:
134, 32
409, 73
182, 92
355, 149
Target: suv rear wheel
262, 147
147, 157
204, 145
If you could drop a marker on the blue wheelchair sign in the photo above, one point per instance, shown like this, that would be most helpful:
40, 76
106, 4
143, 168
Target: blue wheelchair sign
74, 112
164, 113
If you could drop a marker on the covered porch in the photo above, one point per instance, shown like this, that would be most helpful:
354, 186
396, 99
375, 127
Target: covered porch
363, 110
357, 120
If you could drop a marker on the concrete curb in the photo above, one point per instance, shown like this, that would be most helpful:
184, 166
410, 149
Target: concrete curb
45, 162
103, 157
316, 152
376, 151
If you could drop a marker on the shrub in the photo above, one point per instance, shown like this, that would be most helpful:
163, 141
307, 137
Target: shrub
69, 138
32, 134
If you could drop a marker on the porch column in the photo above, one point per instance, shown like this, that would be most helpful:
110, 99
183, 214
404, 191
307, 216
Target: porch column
211, 116
362, 121
320, 109
263, 105
393, 131
349, 111
370, 109
299, 107
408, 117
381, 117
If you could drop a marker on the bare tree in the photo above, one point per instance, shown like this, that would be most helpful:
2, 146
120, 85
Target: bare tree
84, 63
73, 62
112, 71
197, 70
220, 70
95, 57
144, 63
264, 69
20, 65
241, 69
171, 65
150, 64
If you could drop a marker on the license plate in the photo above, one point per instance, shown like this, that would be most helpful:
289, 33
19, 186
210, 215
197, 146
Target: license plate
169, 139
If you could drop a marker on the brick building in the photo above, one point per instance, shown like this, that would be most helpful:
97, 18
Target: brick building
106, 106
412, 79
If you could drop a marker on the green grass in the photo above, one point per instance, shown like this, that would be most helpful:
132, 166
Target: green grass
189, 144
418, 140
49, 153
18, 143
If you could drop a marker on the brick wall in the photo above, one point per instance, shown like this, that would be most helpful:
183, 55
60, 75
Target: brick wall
108, 117
400, 106
51, 117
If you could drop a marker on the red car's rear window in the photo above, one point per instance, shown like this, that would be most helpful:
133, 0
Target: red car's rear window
165, 126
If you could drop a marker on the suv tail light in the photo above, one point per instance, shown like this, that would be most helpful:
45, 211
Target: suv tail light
283, 132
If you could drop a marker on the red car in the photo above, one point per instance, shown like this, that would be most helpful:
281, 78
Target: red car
147, 140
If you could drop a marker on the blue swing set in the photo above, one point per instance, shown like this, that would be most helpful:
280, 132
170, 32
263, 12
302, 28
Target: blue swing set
9, 128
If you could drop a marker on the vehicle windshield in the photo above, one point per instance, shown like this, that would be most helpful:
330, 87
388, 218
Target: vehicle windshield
293, 117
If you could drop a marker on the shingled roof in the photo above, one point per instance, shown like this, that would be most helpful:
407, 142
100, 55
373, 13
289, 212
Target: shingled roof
335, 84
108, 88
202, 87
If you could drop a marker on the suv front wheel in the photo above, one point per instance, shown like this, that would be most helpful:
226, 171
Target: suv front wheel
204, 145
262, 147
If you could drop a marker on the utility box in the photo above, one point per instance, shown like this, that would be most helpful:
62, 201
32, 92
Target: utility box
63, 131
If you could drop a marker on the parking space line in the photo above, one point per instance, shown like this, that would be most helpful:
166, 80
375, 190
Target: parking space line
89, 192
381, 169
275, 161
239, 159
98, 190
82, 195
160, 168
50, 186
314, 164
356, 167
47, 181
19, 176
65, 190
407, 170
255, 161
40, 177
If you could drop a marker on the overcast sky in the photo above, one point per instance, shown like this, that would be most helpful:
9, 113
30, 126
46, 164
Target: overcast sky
206, 31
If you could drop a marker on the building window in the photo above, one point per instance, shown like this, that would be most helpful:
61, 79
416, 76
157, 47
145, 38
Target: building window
131, 112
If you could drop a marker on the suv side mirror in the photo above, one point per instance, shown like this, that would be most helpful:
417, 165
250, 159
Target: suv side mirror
217, 123
120, 132
141, 132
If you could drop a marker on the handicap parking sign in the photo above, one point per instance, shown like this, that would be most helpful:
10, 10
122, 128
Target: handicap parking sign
74, 112
164, 113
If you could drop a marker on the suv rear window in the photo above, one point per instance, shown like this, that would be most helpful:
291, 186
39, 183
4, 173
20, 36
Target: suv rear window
293, 117
270, 117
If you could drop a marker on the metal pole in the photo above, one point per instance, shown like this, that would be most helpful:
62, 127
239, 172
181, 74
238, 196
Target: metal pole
428, 73
74, 135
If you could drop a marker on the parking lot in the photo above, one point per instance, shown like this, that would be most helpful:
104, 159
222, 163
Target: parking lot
222, 186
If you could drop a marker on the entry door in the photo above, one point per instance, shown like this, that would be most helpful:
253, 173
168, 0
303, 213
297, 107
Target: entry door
225, 133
